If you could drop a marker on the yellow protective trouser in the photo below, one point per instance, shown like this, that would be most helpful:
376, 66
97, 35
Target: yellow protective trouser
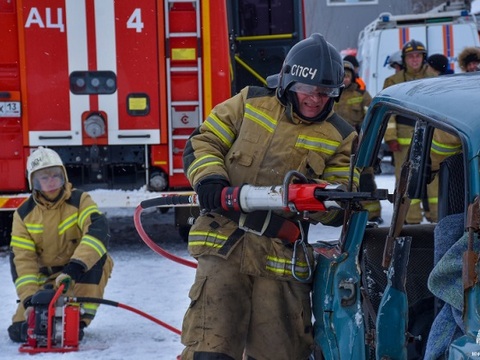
233, 314
94, 287
414, 214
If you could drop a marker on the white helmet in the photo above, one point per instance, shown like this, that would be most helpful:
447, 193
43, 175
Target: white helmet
395, 58
43, 158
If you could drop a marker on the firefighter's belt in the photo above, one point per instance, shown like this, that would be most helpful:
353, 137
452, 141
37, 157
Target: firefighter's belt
267, 224
49, 270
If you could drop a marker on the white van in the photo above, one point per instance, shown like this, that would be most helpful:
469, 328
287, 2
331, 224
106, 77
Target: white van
444, 32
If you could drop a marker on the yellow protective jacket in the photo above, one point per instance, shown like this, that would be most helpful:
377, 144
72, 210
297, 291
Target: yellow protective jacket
444, 145
353, 105
51, 234
401, 130
253, 139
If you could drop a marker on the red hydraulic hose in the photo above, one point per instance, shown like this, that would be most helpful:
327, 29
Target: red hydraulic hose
152, 245
126, 307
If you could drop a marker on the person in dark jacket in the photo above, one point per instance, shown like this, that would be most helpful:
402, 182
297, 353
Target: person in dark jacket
437, 64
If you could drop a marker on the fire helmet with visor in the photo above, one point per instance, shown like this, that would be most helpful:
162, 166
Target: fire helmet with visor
395, 58
42, 165
314, 64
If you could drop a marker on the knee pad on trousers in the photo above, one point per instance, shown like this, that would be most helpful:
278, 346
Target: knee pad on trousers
211, 356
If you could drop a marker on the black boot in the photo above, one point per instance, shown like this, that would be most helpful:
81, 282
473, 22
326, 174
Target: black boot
18, 331
81, 333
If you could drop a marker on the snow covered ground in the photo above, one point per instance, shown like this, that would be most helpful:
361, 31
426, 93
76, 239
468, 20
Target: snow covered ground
145, 281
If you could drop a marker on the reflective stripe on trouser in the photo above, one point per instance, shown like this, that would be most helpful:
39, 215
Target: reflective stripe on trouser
231, 312
373, 207
415, 212
99, 274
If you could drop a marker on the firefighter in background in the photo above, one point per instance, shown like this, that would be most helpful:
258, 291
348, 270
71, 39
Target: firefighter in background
353, 106
395, 62
353, 60
249, 297
398, 135
469, 59
59, 236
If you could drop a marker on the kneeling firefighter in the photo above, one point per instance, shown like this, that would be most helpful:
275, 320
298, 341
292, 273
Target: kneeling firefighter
59, 236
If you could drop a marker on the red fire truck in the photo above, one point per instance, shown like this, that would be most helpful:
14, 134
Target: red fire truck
117, 86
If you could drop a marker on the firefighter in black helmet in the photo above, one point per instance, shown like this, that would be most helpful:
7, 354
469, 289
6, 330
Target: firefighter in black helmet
414, 47
353, 107
399, 132
249, 299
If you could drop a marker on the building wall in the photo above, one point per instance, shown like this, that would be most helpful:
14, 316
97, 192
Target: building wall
341, 24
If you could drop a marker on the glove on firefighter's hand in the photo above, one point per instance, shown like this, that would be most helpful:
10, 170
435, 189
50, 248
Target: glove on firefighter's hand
210, 192
64, 279
71, 273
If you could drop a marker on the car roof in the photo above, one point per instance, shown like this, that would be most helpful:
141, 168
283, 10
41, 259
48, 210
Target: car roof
449, 99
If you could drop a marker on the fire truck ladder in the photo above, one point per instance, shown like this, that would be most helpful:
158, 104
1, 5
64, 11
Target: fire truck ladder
184, 80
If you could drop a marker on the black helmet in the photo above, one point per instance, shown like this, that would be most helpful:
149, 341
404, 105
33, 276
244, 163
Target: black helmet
413, 46
312, 61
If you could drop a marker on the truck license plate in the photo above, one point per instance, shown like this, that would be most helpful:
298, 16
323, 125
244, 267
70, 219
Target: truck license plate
10, 109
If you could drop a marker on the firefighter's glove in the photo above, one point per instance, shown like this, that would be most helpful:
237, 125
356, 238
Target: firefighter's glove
27, 305
64, 279
210, 193
71, 273
393, 145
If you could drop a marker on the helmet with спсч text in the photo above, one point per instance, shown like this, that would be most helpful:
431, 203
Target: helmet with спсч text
312, 61
413, 46
43, 158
